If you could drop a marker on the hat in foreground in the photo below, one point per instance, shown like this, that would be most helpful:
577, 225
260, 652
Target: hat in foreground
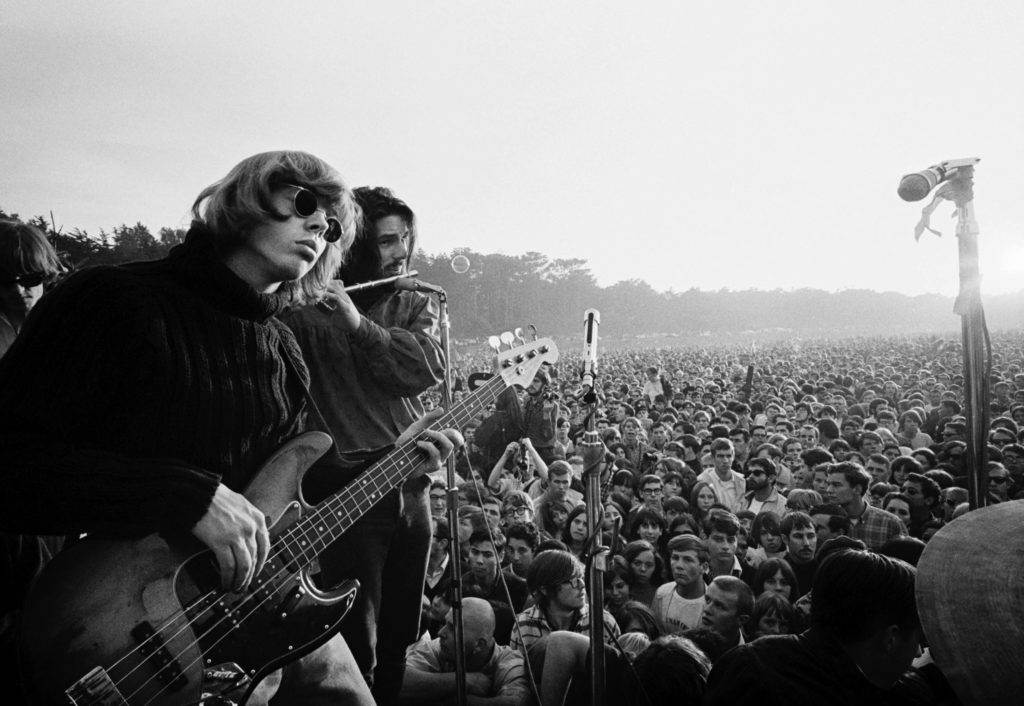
970, 596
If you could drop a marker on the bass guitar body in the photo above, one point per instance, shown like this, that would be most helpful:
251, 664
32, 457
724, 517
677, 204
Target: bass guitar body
146, 622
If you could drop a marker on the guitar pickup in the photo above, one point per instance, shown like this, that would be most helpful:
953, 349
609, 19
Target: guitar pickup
168, 671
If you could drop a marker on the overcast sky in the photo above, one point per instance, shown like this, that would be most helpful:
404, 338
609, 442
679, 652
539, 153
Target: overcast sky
689, 144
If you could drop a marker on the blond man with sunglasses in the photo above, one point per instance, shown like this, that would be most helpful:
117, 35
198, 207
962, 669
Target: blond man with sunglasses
145, 397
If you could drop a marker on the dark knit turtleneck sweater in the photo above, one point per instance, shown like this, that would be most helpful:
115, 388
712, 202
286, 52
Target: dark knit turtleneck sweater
132, 390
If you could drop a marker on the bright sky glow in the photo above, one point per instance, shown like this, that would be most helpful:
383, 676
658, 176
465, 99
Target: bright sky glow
697, 144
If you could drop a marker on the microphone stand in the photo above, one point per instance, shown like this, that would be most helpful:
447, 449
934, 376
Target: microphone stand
594, 462
973, 334
455, 546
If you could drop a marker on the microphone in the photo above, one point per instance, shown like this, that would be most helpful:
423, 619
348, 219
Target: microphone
916, 186
409, 284
591, 322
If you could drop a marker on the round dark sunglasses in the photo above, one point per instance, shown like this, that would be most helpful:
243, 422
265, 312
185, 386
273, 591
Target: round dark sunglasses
29, 280
305, 204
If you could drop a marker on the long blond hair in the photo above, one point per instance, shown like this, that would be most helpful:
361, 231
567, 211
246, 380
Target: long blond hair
232, 207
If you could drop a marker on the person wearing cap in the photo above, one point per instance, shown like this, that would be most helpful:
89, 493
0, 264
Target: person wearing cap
976, 643
864, 635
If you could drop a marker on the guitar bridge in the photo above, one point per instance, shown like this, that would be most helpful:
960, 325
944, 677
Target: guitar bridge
95, 689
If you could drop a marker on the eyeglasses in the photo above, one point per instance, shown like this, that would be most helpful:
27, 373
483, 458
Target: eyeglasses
305, 204
576, 582
650, 491
997, 479
518, 511
29, 280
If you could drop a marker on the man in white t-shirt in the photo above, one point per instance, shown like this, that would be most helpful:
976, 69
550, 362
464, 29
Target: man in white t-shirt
679, 604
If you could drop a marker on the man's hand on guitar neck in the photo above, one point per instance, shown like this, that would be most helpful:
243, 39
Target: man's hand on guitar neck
236, 531
437, 445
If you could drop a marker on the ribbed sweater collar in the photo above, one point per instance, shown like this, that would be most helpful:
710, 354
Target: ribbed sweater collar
199, 266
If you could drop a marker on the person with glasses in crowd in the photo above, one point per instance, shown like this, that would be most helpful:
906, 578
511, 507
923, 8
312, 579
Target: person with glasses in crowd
28, 263
555, 582
178, 381
376, 349
998, 483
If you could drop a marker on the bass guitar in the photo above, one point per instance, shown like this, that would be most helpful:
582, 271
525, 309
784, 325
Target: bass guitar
145, 622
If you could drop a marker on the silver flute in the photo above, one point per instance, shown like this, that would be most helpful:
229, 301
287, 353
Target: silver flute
379, 282
366, 285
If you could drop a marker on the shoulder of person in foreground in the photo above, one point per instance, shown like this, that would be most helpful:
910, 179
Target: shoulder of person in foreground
739, 677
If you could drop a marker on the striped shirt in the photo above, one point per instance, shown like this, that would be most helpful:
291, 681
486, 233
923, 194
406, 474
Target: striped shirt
533, 625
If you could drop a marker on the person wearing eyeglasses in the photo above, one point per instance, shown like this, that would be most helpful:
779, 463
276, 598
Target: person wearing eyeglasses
376, 350
555, 581
145, 397
998, 483
27, 264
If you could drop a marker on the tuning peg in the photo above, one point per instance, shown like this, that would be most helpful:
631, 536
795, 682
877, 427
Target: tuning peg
518, 333
533, 330
495, 343
507, 338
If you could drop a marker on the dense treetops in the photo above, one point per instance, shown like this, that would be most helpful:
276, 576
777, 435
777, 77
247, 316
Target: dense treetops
500, 292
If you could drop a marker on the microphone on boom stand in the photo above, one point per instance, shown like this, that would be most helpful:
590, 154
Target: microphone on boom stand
594, 463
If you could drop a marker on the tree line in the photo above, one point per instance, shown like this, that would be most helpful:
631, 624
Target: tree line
500, 292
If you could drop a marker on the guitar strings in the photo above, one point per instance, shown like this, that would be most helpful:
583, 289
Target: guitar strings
285, 537
292, 576
229, 615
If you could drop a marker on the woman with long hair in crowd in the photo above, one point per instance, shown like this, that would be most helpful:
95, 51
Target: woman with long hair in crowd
552, 519
645, 566
702, 497
616, 585
574, 532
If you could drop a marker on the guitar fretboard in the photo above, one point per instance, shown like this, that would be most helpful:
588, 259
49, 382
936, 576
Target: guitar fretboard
308, 537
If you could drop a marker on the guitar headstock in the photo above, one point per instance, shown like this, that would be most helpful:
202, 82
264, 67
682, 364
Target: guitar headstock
519, 365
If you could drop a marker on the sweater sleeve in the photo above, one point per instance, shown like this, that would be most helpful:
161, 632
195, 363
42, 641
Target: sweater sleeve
64, 386
405, 358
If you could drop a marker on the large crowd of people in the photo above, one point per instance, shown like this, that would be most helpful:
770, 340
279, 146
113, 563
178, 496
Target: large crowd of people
762, 511
732, 482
